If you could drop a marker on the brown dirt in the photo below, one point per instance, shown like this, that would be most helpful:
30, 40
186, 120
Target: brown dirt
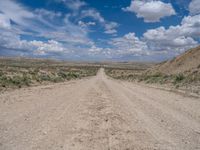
188, 61
98, 113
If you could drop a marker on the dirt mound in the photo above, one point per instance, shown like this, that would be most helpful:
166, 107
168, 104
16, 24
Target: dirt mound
188, 61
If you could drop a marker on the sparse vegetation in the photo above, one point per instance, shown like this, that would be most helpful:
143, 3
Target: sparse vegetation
178, 78
188, 80
17, 74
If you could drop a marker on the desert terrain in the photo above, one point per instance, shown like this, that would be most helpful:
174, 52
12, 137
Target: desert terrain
99, 74
98, 113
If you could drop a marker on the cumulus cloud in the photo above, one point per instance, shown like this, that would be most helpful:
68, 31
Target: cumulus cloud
150, 10
129, 44
98, 52
177, 38
194, 7
189, 27
159, 41
50, 46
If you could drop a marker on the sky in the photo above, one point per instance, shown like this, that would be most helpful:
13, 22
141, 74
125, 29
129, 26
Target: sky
99, 30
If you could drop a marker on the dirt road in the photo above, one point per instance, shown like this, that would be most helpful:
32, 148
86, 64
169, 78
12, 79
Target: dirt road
98, 113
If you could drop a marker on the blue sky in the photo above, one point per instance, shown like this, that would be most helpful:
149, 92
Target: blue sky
121, 30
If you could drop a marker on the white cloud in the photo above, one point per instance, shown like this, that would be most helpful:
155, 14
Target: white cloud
74, 5
129, 44
41, 23
159, 41
95, 50
15, 12
64, 38
66, 32
100, 53
175, 38
150, 10
10, 40
87, 12
4, 22
56, 39
111, 31
50, 46
183, 41
86, 24
46, 13
93, 14
189, 27
110, 27
194, 7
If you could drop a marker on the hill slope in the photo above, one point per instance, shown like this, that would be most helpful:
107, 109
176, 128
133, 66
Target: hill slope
188, 61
